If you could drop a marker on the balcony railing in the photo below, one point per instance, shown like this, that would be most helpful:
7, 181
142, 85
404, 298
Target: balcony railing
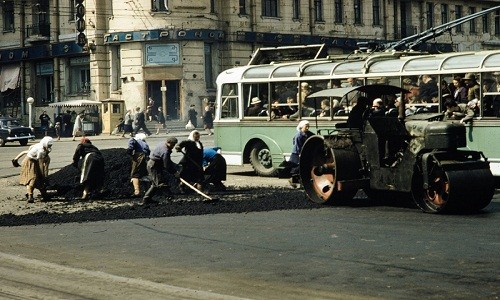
40, 29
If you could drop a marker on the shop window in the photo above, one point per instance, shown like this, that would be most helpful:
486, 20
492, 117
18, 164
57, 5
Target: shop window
44, 85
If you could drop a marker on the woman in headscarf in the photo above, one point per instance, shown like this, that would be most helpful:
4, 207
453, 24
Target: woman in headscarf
92, 166
298, 142
139, 150
35, 167
192, 162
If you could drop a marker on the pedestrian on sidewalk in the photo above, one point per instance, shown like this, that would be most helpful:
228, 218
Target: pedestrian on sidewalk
127, 126
193, 116
150, 109
160, 118
44, 122
140, 121
78, 126
208, 120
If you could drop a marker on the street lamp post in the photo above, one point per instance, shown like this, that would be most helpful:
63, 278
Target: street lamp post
30, 101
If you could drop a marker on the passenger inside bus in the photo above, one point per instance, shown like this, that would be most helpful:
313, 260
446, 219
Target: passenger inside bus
472, 86
255, 109
276, 112
496, 98
460, 93
325, 108
460, 111
428, 89
290, 108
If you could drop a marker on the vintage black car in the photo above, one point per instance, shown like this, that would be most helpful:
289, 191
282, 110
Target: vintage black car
11, 130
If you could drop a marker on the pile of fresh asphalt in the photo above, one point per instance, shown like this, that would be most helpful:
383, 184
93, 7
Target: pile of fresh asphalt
115, 200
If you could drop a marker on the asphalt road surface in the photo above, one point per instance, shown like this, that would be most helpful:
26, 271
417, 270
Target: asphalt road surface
367, 250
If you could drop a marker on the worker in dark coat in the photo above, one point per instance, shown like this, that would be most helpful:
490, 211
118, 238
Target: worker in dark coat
215, 169
91, 166
191, 163
159, 164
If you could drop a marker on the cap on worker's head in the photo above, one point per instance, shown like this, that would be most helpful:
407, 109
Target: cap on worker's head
172, 140
140, 136
85, 140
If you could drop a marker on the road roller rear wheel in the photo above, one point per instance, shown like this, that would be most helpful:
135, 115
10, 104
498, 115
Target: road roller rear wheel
464, 191
322, 168
435, 198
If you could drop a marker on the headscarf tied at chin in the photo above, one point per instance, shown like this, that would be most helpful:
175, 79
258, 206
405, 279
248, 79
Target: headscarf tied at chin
46, 143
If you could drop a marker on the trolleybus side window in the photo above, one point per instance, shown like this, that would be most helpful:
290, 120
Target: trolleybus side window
229, 103
283, 100
256, 99
491, 94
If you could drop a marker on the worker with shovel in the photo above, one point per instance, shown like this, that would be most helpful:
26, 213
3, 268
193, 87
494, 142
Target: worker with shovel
159, 163
192, 160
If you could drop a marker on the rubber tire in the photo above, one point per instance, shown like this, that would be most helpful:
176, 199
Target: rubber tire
2, 142
260, 153
23, 142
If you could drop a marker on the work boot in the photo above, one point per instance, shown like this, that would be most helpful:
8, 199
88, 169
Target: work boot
295, 181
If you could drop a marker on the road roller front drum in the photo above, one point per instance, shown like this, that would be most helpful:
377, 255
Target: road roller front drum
321, 169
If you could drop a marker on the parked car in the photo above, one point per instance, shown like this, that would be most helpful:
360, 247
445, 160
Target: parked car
11, 130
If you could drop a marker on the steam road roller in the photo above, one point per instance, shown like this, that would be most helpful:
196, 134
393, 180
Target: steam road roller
420, 156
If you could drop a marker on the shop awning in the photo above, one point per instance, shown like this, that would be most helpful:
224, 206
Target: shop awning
76, 103
9, 77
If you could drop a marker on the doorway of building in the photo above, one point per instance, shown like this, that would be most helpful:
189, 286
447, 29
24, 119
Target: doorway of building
173, 105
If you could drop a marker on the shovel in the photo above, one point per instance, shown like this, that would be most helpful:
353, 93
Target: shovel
198, 191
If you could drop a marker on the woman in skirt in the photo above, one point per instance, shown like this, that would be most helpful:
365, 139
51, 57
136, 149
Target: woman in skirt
35, 168
92, 166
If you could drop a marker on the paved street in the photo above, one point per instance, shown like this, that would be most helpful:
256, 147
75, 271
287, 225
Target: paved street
327, 253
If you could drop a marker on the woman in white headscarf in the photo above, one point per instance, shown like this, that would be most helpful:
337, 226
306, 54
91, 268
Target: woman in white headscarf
192, 162
299, 140
35, 167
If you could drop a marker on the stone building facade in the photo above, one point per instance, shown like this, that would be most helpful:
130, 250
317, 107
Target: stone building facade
172, 50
